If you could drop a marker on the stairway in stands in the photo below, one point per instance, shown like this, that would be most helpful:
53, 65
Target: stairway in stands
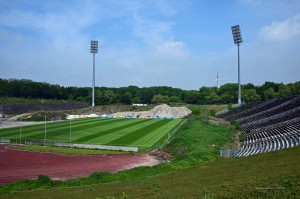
268, 126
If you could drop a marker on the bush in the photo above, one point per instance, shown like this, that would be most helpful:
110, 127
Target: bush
242, 137
212, 113
236, 124
196, 110
229, 106
43, 180
101, 176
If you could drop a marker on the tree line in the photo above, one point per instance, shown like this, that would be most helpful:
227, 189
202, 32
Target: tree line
225, 94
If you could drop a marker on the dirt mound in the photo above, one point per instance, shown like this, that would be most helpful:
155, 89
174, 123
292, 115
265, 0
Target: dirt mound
161, 155
162, 110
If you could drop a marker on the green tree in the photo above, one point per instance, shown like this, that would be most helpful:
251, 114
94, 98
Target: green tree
110, 96
192, 97
229, 93
166, 99
159, 99
204, 92
174, 99
146, 95
296, 90
104, 97
126, 98
136, 100
266, 86
269, 94
249, 95
284, 90
226, 98
212, 98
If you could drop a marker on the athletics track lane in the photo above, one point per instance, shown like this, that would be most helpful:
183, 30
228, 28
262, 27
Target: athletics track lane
21, 165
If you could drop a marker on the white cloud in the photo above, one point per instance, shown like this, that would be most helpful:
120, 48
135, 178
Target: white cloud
172, 48
165, 7
140, 44
251, 2
282, 31
149, 31
273, 56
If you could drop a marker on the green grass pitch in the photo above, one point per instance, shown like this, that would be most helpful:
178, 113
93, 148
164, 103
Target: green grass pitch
115, 132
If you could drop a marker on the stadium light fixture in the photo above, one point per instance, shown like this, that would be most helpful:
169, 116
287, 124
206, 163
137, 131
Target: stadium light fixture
94, 50
237, 38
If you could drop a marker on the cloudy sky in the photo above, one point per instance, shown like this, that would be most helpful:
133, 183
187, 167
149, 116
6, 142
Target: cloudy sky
182, 43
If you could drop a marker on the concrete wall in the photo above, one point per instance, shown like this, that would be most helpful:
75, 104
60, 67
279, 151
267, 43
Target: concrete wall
4, 140
115, 148
85, 146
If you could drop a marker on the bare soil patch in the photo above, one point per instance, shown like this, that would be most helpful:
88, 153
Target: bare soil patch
217, 121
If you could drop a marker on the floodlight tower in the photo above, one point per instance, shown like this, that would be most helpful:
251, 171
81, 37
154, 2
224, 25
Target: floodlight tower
237, 38
94, 50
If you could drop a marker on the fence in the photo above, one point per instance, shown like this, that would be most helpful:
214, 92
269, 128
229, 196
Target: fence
116, 148
85, 146
4, 140
170, 134
229, 153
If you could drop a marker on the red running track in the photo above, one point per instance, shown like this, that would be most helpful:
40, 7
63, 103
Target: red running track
20, 165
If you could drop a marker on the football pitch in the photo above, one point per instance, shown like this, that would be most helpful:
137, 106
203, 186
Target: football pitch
142, 133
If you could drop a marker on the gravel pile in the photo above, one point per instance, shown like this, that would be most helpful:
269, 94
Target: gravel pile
162, 110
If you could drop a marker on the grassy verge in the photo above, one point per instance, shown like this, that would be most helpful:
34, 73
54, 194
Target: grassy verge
205, 110
65, 150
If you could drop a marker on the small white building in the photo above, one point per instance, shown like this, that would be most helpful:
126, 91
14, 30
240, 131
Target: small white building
139, 104
69, 117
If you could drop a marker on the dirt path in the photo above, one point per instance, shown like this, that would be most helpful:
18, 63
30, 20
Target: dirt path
20, 165
15, 118
11, 123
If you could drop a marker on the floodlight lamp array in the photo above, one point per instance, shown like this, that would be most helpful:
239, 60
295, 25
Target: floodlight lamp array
94, 46
237, 35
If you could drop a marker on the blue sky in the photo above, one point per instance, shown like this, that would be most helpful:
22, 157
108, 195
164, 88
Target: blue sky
182, 43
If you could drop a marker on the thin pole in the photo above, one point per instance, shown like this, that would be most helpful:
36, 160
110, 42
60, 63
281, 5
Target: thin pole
217, 80
93, 102
21, 132
70, 131
239, 76
45, 130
